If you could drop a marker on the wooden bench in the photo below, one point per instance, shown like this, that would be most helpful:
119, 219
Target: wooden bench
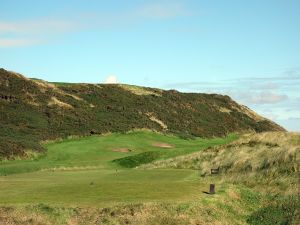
215, 171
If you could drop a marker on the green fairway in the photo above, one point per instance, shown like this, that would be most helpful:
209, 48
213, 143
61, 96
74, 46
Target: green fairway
99, 187
82, 171
99, 151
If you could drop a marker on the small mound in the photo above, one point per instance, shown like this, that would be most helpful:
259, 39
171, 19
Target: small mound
137, 160
162, 145
122, 150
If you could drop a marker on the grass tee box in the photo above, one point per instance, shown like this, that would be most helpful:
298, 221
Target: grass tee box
99, 187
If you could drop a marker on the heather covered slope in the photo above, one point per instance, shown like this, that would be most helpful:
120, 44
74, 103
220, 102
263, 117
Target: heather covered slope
33, 110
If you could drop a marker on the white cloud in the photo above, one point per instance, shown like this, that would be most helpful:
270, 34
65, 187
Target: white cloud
266, 86
111, 79
25, 32
39, 26
267, 97
17, 42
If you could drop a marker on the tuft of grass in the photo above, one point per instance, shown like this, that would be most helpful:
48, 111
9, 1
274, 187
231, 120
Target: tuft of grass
281, 211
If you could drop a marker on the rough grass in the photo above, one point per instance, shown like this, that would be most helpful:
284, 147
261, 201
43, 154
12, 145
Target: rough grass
267, 162
232, 205
279, 211
271, 153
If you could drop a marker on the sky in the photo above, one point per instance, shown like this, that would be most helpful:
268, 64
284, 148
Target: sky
249, 50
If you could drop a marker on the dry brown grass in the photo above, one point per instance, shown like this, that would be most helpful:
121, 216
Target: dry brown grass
55, 101
249, 112
14, 216
270, 152
44, 86
153, 118
140, 90
210, 210
224, 110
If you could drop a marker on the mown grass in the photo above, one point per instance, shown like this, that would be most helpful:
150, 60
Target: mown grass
99, 187
232, 204
100, 151
92, 171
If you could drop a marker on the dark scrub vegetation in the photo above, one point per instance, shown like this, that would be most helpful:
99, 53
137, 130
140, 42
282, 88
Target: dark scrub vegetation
32, 111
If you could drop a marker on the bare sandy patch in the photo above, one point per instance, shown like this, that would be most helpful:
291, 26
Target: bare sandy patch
122, 150
162, 145
55, 101
140, 90
224, 110
156, 120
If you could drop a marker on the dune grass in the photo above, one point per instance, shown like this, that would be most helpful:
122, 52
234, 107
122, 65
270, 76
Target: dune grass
270, 152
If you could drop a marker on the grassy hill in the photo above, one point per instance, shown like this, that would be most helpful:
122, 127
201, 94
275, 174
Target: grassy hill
32, 111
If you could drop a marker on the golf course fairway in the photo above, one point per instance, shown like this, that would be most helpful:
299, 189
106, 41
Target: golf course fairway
102, 170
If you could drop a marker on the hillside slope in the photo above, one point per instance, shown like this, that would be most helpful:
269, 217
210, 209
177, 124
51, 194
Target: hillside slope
269, 154
34, 110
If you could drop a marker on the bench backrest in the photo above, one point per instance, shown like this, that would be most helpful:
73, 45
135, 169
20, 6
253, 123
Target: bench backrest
215, 171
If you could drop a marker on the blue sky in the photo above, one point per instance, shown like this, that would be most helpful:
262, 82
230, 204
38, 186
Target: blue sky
249, 50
